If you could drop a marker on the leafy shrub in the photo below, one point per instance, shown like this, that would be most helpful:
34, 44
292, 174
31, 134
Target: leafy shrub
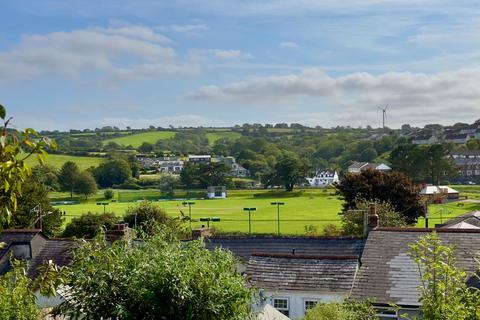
347, 310
108, 194
89, 225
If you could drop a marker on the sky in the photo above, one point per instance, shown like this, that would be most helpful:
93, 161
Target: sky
74, 64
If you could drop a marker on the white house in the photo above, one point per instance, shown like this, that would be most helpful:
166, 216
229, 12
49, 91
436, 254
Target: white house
358, 167
424, 139
323, 179
430, 191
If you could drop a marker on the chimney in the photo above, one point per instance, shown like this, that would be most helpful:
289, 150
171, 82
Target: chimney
373, 220
119, 231
201, 233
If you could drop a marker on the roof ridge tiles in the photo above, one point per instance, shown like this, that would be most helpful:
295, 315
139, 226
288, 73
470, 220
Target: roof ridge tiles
304, 256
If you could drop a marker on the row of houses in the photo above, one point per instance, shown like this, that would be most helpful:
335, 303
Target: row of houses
175, 164
457, 137
292, 274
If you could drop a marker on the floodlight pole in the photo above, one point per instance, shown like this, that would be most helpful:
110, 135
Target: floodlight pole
249, 218
104, 204
278, 204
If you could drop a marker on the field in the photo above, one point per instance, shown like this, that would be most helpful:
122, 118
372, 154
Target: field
309, 207
136, 140
303, 208
57, 160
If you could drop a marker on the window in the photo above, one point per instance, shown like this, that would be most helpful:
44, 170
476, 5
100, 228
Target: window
309, 304
281, 304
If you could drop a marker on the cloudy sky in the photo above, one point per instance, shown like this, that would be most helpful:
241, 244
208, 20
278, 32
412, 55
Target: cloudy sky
81, 63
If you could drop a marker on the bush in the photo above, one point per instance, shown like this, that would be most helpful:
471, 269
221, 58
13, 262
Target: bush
147, 217
347, 310
331, 230
311, 230
108, 194
89, 225
352, 222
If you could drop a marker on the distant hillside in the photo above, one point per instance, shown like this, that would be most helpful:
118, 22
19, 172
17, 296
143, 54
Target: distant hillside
137, 139
57, 160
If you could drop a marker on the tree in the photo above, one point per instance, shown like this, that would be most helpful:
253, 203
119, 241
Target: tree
167, 184
112, 172
89, 225
67, 177
161, 279
189, 175
444, 292
46, 175
290, 171
32, 204
213, 174
395, 188
15, 148
108, 194
146, 217
424, 163
352, 222
146, 147
85, 184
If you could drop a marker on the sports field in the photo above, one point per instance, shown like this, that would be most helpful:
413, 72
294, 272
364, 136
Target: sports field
57, 160
302, 208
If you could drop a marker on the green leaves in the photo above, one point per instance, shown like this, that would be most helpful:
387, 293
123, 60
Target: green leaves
3, 112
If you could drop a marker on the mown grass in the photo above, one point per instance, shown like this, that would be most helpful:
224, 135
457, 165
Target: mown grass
57, 160
310, 207
136, 140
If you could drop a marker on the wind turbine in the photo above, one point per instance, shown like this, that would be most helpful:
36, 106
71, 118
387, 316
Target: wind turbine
384, 114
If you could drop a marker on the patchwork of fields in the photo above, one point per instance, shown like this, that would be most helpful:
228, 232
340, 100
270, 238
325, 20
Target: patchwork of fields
57, 160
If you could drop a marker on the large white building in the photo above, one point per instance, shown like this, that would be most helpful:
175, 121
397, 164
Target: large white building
323, 179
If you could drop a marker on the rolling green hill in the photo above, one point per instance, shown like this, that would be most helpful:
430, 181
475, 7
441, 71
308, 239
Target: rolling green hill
136, 140
57, 160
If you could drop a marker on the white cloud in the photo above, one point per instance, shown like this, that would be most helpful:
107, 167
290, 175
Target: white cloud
127, 50
230, 54
355, 97
289, 45
184, 28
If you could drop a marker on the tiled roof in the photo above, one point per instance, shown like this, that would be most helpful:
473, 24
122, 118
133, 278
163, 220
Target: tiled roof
387, 273
472, 218
57, 250
305, 273
455, 136
244, 247
357, 165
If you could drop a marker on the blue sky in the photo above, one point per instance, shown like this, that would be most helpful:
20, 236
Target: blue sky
85, 64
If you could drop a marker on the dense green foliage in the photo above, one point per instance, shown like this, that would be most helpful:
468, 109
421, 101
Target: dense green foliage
429, 163
204, 175
347, 310
161, 279
113, 172
89, 225
353, 222
67, 176
146, 218
444, 291
395, 188
32, 204
15, 148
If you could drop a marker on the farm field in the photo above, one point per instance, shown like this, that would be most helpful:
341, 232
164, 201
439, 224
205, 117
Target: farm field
311, 207
230, 135
136, 140
57, 160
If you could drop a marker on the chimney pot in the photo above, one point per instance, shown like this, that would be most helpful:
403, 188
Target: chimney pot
373, 220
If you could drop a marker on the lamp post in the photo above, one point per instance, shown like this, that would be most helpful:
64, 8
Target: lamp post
189, 204
278, 204
104, 204
249, 218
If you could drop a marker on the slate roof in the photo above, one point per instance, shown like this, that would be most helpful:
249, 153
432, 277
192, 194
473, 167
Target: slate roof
41, 248
358, 165
304, 273
388, 275
244, 247
472, 218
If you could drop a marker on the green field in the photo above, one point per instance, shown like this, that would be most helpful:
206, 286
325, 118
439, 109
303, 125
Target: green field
136, 140
311, 207
57, 160
230, 135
